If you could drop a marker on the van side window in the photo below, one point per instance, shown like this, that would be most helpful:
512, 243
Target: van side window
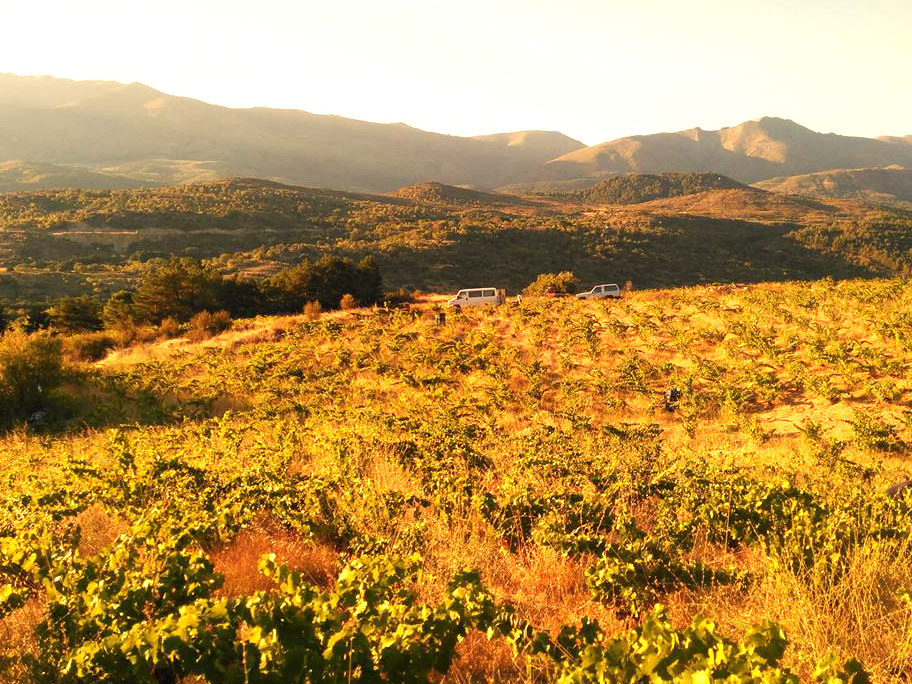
474, 293
487, 293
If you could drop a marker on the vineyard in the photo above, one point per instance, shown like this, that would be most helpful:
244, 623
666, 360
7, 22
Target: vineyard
508, 494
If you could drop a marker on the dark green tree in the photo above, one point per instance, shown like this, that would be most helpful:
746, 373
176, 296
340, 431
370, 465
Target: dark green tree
241, 298
369, 283
119, 311
326, 281
178, 289
75, 314
553, 283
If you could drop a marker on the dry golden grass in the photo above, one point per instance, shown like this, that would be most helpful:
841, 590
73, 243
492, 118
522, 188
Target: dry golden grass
17, 639
98, 529
484, 661
237, 560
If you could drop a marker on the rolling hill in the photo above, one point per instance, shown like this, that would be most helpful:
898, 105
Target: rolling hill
891, 186
632, 188
17, 174
438, 193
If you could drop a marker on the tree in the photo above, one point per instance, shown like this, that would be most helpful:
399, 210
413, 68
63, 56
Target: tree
75, 314
178, 289
326, 281
241, 298
553, 283
119, 311
369, 283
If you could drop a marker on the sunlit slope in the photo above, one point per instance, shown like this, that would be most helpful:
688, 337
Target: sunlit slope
137, 131
466, 493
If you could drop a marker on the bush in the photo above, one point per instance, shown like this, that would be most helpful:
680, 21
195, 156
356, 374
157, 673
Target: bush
168, 329
553, 283
31, 367
205, 325
348, 302
313, 310
89, 346
119, 313
401, 295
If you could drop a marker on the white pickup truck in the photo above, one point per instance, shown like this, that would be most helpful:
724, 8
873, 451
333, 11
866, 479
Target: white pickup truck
477, 297
601, 292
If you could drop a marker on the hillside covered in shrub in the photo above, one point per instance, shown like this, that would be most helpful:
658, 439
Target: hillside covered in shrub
632, 188
71, 243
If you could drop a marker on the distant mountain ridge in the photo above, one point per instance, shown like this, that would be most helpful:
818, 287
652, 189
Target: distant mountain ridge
112, 126
750, 152
135, 131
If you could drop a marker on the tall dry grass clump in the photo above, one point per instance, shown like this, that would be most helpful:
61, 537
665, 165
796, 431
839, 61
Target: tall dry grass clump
858, 606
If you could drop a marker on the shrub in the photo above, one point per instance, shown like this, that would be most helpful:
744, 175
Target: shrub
873, 434
205, 325
401, 295
553, 283
119, 312
168, 329
313, 310
30, 368
348, 302
89, 346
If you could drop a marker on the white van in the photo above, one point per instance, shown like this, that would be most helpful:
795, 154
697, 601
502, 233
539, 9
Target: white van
477, 297
611, 291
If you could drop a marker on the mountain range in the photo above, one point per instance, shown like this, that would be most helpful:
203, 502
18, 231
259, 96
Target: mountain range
103, 135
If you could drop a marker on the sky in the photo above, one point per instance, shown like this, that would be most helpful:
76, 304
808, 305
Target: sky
595, 70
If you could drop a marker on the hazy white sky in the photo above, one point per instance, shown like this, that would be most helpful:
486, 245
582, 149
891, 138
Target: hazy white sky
593, 69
